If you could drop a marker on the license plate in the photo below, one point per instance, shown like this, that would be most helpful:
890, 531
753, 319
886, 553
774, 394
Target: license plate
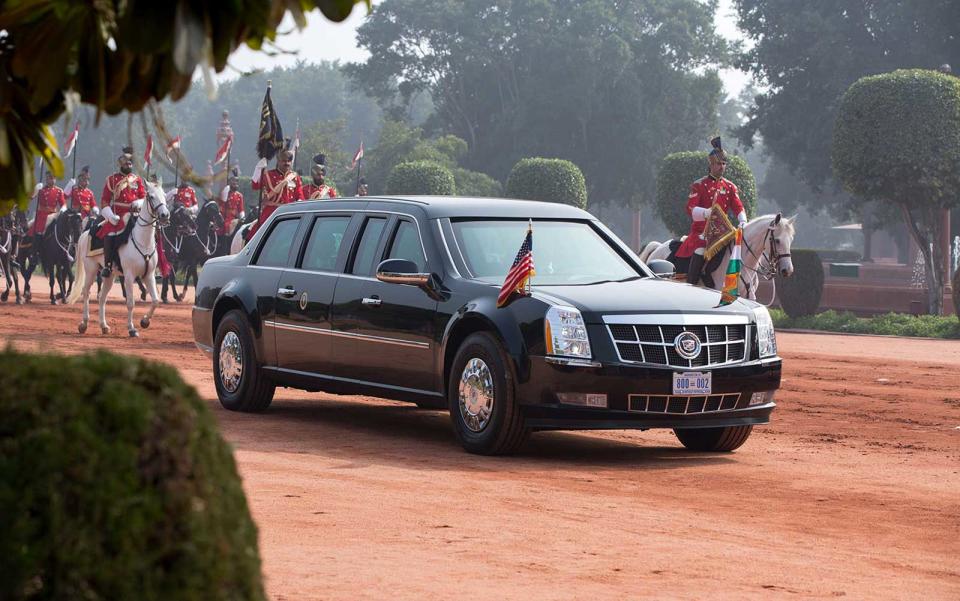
693, 383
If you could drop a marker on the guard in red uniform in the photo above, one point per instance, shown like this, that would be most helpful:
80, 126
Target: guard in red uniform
185, 196
704, 193
120, 191
50, 199
80, 195
318, 189
280, 186
231, 204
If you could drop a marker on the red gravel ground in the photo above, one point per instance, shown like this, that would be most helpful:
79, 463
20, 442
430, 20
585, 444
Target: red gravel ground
853, 489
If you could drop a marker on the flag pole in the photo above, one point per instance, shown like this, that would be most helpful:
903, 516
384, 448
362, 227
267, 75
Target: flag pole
296, 151
266, 167
530, 276
359, 167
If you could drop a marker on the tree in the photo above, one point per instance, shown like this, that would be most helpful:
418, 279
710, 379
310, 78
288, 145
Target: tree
116, 55
897, 140
680, 169
421, 177
611, 86
808, 53
548, 180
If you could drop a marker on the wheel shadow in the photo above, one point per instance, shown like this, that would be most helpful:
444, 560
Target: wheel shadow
387, 433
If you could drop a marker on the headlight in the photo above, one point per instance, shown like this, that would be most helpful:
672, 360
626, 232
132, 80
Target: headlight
766, 338
565, 333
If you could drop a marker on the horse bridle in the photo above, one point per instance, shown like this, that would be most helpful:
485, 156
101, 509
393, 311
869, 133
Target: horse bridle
767, 262
71, 243
153, 211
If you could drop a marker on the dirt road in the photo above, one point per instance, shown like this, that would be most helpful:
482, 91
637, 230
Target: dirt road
853, 490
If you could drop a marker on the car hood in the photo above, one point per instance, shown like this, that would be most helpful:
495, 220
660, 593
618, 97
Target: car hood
647, 295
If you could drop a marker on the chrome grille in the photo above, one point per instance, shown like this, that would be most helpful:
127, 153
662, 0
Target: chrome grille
683, 405
653, 344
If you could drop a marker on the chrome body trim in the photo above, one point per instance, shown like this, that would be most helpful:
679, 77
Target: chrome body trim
572, 362
364, 337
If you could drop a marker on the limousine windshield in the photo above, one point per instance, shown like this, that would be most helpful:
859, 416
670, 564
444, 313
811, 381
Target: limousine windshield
564, 252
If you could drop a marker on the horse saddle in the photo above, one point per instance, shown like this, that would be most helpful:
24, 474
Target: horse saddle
682, 264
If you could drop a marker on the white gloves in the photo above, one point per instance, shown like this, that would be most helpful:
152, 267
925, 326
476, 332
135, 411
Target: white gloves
261, 165
70, 185
63, 208
700, 213
109, 215
37, 188
742, 218
224, 193
243, 215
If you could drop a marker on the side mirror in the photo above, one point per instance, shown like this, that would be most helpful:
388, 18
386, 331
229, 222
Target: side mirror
401, 271
662, 269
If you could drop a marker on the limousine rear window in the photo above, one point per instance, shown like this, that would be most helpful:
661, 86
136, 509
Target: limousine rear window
276, 249
564, 252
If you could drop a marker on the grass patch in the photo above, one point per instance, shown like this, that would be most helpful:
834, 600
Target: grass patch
891, 324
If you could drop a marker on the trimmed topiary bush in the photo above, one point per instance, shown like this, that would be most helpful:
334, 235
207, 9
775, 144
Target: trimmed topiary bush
421, 177
549, 180
680, 169
474, 183
115, 484
800, 294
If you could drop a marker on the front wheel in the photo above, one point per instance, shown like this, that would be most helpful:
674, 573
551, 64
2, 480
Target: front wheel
241, 386
713, 439
482, 398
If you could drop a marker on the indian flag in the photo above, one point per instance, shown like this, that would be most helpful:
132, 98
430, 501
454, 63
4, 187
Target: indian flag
731, 281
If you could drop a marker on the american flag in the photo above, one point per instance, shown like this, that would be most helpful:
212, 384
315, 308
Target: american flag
521, 271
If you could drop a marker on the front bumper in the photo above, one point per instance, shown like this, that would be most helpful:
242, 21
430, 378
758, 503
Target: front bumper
736, 384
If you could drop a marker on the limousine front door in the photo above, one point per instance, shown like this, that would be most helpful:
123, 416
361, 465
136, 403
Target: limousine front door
384, 333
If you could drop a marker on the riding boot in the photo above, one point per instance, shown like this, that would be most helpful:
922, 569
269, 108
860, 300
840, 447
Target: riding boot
108, 243
696, 265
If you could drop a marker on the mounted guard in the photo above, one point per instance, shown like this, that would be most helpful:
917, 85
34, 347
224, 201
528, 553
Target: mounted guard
710, 199
81, 198
231, 205
50, 200
120, 191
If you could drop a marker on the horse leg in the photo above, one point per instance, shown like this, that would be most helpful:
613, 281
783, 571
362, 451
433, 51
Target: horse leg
52, 277
90, 274
186, 282
6, 276
154, 302
165, 281
16, 284
131, 303
143, 291
102, 302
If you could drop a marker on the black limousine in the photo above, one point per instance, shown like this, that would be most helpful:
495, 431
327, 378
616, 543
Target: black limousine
397, 298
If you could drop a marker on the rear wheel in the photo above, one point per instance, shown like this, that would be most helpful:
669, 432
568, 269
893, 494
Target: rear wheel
482, 398
241, 386
713, 439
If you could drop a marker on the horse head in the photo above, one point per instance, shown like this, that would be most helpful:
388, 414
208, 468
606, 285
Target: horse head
155, 205
72, 222
182, 220
782, 232
211, 215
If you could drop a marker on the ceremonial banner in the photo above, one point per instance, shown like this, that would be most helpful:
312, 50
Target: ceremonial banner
357, 156
148, 153
224, 151
271, 133
718, 232
731, 281
72, 140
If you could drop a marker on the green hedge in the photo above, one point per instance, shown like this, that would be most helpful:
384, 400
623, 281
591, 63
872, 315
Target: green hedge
800, 294
115, 484
680, 169
549, 180
474, 183
421, 177
891, 324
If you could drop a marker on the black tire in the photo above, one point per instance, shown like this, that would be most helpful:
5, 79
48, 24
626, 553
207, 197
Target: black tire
713, 439
254, 392
504, 431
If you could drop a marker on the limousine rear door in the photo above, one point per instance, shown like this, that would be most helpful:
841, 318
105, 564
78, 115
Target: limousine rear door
385, 332
305, 293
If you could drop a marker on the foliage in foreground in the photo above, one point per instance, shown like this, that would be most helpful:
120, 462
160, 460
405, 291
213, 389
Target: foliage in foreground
115, 484
891, 324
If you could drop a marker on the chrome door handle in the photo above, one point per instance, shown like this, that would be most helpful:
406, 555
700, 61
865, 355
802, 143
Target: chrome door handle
371, 302
286, 292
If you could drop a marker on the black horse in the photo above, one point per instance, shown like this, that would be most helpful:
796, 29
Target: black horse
188, 242
27, 259
13, 227
58, 252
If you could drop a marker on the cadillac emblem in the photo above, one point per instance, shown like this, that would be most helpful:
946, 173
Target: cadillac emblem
303, 305
687, 345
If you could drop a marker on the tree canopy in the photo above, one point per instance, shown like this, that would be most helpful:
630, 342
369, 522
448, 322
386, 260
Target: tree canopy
809, 53
548, 180
116, 55
897, 140
611, 86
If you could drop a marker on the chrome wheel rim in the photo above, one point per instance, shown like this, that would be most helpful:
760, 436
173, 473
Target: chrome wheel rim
231, 362
476, 395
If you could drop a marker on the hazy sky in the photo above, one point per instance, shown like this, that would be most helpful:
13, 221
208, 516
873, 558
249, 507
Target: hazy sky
323, 40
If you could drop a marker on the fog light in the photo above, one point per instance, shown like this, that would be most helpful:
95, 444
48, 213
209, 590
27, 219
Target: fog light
761, 398
583, 399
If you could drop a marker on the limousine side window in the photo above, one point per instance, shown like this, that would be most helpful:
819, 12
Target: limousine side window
406, 245
369, 240
323, 246
276, 250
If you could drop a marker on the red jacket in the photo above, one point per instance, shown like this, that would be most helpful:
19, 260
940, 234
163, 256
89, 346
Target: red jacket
186, 197
277, 191
315, 192
82, 200
703, 193
231, 209
49, 200
119, 193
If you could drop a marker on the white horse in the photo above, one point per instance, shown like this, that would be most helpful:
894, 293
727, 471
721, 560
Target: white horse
239, 239
765, 252
138, 258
